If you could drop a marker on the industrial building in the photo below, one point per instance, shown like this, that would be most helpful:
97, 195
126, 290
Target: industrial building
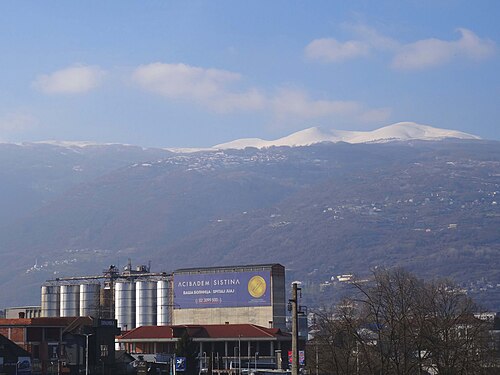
253, 294
134, 297
23, 312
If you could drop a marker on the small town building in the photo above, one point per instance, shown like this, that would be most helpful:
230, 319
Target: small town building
13, 358
23, 312
62, 345
219, 347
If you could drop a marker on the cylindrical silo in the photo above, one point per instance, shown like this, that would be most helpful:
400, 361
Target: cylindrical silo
145, 303
70, 300
163, 305
50, 301
125, 304
89, 299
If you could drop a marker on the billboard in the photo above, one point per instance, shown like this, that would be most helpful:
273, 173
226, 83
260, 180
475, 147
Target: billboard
222, 289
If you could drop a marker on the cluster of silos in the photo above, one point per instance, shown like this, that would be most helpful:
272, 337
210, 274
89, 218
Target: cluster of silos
142, 302
137, 301
68, 299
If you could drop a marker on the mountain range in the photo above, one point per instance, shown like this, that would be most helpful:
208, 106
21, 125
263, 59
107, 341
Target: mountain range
401, 131
408, 195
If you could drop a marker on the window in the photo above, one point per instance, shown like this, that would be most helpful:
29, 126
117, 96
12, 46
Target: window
104, 351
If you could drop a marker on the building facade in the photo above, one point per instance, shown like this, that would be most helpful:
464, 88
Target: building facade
23, 312
219, 347
59, 345
253, 294
13, 359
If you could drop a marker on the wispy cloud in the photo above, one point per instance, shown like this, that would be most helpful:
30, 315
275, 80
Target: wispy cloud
292, 102
425, 53
331, 50
16, 123
432, 52
297, 104
220, 91
75, 79
375, 116
372, 37
213, 88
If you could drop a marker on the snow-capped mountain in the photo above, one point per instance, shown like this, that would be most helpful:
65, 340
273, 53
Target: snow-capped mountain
401, 131
330, 207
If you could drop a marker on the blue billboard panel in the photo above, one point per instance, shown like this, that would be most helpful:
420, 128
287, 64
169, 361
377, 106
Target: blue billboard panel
180, 364
223, 289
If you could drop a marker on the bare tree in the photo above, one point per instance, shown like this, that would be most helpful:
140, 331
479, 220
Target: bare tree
392, 303
398, 324
335, 341
456, 340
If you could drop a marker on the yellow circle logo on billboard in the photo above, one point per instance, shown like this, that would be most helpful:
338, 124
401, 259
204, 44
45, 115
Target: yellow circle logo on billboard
257, 286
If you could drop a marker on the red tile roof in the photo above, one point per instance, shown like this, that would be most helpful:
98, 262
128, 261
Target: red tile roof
44, 322
213, 331
148, 332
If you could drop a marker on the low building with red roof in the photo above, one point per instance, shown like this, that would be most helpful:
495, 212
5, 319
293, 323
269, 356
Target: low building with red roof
219, 346
56, 344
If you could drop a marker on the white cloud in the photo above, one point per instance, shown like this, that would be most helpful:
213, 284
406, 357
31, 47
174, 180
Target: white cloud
432, 52
331, 50
209, 87
75, 79
296, 104
372, 37
425, 53
215, 89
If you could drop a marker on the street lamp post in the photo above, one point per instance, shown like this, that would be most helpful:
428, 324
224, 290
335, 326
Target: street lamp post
87, 352
295, 329
234, 354
239, 354
255, 363
248, 358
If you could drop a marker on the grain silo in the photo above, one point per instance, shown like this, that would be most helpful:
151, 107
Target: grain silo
163, 302
145, 303
89, 299
50, 300
125, 304
69, 300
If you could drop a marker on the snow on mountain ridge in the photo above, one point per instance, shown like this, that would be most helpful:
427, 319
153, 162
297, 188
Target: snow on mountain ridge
402, 131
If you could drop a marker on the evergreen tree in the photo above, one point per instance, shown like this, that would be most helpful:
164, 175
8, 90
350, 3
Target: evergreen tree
185, 347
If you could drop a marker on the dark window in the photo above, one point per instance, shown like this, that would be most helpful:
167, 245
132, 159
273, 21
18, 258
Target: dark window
35, 351
34, 334
52, 334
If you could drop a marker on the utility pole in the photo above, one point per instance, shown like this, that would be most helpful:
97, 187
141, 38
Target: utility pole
239, 354
295, 329
87, 352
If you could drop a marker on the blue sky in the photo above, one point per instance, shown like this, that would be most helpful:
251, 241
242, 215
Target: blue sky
198, 73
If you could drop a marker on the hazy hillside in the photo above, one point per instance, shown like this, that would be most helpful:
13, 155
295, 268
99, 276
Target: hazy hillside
32, 174
320, 210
